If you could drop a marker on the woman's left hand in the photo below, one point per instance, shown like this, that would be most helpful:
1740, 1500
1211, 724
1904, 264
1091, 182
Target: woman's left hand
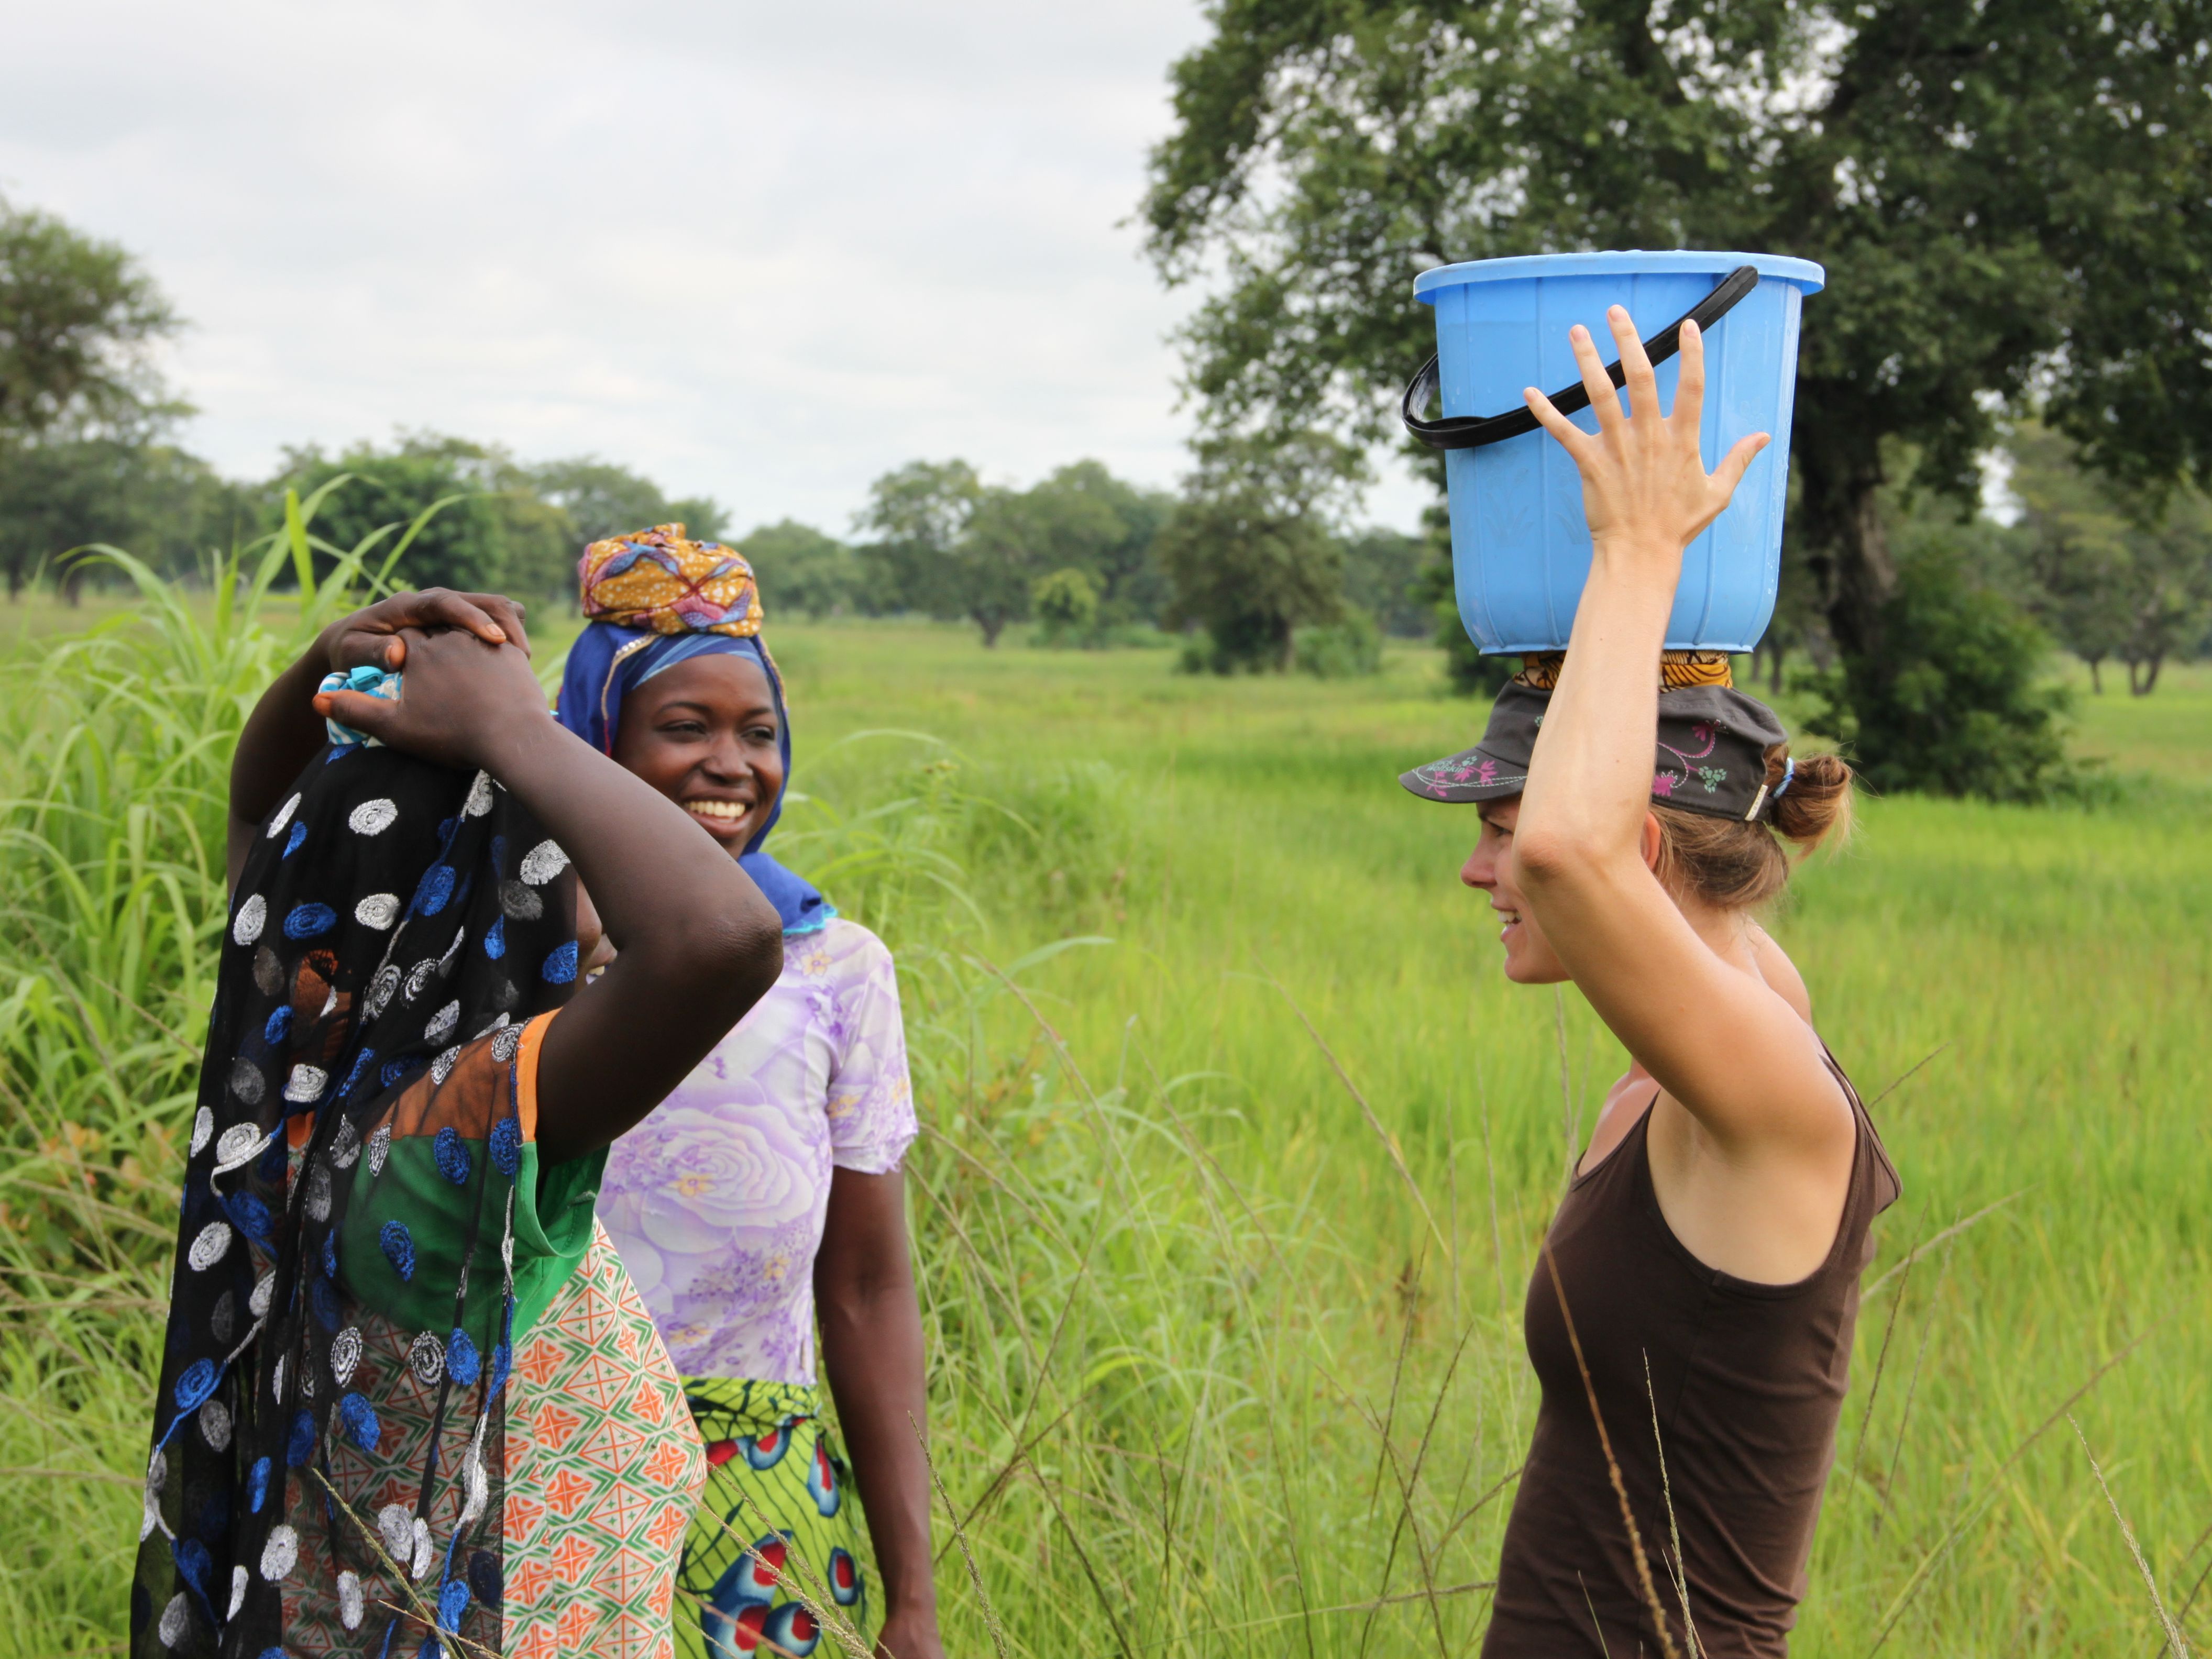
1646, 489
909, 1636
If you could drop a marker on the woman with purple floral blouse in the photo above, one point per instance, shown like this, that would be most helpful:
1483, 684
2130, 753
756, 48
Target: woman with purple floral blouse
764, 1196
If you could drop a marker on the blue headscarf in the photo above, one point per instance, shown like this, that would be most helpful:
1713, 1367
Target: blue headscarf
608, 661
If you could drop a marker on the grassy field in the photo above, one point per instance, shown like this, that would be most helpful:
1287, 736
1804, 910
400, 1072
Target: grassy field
1227, 1357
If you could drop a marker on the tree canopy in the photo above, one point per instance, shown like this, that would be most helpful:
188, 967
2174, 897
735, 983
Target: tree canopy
801, 570
2011, 198
79, 320
1249, 555
602, 500
2113, 573
945, 543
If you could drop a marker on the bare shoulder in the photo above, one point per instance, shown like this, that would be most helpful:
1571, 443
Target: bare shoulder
1781, 974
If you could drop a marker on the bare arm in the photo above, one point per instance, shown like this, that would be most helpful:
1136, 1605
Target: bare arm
698, 944
284, 732
871, 1355
1727, 1046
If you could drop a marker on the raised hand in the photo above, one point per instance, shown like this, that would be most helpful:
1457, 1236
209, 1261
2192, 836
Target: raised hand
1646, 489
463, 702
371, 638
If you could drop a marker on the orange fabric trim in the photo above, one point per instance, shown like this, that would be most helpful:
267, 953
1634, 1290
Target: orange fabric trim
526, 1074
1677, 670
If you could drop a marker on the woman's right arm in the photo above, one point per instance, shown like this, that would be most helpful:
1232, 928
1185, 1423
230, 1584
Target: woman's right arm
697, 944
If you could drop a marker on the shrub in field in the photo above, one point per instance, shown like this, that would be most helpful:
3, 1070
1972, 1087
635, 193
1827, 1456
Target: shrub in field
1958, 702
1345, 649
1066, 605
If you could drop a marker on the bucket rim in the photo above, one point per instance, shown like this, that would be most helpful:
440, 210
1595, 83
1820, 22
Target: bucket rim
1807, 277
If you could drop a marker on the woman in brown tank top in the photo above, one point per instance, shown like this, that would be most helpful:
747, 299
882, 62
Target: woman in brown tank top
1692, 1306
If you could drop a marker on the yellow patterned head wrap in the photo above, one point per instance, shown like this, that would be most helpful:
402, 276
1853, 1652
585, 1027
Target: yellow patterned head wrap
657, 580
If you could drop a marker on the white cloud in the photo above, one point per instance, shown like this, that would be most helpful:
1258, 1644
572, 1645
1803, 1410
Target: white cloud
761, 252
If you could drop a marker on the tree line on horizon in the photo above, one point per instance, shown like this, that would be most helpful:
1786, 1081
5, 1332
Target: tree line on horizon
1256, 561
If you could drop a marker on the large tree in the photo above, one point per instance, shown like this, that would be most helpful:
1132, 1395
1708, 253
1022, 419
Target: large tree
169, 508
914, 520
944, 542
2111, 572
1249, 555
494, 532
602, 498
81, 398
2009, 195
79, 321
802, 571
1118, 558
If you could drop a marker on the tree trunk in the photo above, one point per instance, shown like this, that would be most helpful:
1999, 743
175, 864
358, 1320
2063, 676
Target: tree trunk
1775, 654
990, 625
1839, 514
2096, 675
2142, 674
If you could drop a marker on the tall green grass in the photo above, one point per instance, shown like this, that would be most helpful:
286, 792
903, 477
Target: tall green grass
1225, 1358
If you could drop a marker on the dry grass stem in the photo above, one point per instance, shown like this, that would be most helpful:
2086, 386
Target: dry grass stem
1675, 1569
1918, 1579
960, 1537
1612, 1469
2174, 1643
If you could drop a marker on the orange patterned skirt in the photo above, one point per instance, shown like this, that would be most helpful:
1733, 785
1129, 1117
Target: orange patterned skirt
604, 1471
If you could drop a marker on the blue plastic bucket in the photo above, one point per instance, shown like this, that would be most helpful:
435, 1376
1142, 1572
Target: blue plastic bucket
1521, 547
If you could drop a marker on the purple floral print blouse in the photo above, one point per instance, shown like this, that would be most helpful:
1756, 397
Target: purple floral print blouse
716, 1200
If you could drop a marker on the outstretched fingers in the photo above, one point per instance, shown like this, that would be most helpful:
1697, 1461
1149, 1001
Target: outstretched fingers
1604, 396
1729, 473
1690, 388
1637, 378
1572, 438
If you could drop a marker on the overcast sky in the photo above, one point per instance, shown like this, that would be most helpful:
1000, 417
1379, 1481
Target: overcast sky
764, 251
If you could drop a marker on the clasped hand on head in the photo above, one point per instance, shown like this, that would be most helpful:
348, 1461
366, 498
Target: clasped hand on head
1646, 489
370, 638
464, 697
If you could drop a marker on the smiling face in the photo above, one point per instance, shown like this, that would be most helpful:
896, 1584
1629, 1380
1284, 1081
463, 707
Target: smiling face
704, 733
1530, 958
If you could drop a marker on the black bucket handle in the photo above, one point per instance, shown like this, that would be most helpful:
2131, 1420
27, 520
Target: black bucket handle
1473, 431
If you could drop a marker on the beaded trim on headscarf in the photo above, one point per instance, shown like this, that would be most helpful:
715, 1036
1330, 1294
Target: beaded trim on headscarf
658, 581
1677, 670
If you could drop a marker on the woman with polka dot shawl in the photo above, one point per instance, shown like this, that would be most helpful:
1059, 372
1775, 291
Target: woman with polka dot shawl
409, 1403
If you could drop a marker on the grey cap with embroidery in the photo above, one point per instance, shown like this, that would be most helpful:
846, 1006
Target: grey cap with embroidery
1711, 757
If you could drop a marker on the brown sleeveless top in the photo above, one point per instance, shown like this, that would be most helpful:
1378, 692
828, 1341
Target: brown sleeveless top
1745, 1382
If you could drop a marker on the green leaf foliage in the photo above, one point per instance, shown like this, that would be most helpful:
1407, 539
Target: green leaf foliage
1958, 704
2006, 194
59, 494
78, 320
802, 571
945, 543
602, 500
1351, 647
2112, 573
1383, 575
1066, 603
